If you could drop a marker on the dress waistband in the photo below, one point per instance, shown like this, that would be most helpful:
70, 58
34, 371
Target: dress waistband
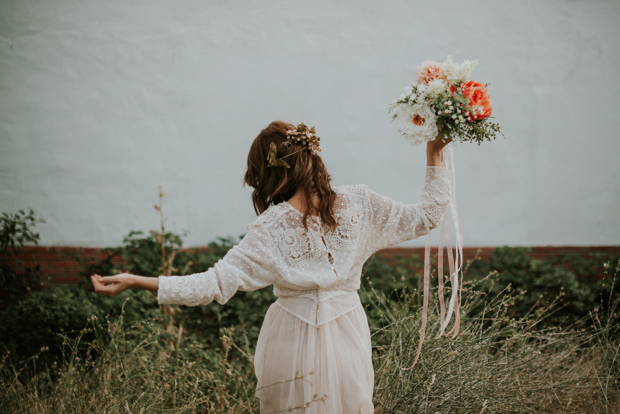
319, 307
319, 295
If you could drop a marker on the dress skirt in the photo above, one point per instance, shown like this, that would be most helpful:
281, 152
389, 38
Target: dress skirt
314, 356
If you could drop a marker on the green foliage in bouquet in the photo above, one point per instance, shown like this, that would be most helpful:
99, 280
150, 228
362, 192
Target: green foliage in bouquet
472, 130
478, 131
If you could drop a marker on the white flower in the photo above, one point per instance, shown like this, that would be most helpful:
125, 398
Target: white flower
436, 87
457, 73
466, 68
449, 68
413, 97
417, 122
420, 95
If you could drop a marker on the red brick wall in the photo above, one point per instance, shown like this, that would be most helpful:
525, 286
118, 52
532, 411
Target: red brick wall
485, 253
58, 264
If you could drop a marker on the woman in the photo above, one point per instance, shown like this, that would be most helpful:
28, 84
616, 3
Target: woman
310, 241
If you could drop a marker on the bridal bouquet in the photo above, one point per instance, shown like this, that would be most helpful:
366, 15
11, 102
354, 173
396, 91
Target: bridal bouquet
444, 100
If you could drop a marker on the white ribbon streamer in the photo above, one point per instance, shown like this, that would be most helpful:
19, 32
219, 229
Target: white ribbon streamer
455, 263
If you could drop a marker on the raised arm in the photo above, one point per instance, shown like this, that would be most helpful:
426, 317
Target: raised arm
394, 222
247, 266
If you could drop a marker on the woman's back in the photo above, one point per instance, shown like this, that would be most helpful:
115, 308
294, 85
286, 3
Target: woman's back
279, 250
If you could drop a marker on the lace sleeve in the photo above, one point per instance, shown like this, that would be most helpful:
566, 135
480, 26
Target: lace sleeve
247, 266
391, 222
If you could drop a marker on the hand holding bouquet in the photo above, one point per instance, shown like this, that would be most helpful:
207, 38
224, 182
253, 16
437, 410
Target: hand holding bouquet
443, 101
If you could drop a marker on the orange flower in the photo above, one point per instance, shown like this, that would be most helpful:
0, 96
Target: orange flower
479, 99
429, 71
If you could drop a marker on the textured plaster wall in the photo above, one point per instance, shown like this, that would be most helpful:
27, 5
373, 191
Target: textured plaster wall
102, 101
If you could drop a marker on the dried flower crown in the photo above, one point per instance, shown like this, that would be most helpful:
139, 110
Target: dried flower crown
299, 135
304, 135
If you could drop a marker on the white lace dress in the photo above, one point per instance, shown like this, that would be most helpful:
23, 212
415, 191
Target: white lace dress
314, 348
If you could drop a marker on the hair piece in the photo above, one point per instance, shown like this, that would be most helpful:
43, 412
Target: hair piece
306, 171
305, 136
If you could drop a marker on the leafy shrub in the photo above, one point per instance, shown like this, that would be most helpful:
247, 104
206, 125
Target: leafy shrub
36, 320
15, 232
26, 325
579, 282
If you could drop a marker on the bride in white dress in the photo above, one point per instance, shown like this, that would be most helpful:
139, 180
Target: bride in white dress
310, 242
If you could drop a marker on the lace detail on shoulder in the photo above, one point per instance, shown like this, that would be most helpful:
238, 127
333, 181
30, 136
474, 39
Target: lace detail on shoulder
300, 247
360, 189
349, 211
267, 216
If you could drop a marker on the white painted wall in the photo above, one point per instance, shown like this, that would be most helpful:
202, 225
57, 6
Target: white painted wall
101, 101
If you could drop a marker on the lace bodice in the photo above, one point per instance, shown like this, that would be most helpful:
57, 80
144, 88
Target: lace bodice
278, 251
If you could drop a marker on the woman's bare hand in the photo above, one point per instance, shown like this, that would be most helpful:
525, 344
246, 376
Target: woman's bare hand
112, 285
438, 143
433, 150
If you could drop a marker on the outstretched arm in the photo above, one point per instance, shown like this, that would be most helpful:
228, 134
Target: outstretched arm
247, 266
113, 285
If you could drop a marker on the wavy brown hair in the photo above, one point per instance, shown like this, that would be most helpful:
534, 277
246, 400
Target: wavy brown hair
273, 185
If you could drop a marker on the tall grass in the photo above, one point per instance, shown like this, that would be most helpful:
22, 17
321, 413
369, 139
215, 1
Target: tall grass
498, 364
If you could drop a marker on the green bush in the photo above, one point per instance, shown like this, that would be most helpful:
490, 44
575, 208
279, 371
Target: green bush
578, 284
15, 232
35, 321
24, 326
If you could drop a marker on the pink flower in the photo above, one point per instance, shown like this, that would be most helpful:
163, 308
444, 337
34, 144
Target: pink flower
428, 71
